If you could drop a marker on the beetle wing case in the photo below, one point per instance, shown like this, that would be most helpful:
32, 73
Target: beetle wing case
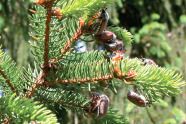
136, 99
105, 37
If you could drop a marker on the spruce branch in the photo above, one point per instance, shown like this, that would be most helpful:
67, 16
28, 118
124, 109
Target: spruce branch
100, 70
85, 80
2, 54
36, 85
67, 46
62, 68
10, 74
7, 81
80, 31
19, 110
157, 80
66, 10
152, 80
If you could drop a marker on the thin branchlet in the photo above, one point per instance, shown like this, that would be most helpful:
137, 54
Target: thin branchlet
93, 80
48, 7
75, 37
67, 46
35, 86
7, 81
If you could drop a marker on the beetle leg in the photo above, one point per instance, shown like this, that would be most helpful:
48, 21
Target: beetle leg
97, 105
98, 111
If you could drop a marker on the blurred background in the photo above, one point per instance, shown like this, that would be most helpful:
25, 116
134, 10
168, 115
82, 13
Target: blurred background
159, 30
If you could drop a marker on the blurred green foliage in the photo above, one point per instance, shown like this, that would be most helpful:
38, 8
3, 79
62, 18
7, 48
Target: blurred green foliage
14, 27
151, 39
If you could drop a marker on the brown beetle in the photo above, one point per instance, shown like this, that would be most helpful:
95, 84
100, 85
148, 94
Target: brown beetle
99, 104
138, 100
105, 37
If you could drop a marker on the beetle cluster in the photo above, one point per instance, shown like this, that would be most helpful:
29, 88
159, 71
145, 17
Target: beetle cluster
98, 104
107, 38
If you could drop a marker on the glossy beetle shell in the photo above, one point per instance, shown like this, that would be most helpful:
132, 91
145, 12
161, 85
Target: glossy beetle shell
138, 100
105, 37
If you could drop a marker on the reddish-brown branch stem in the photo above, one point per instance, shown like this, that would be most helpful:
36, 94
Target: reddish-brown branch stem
94, 79
7, 81
40, 80
67, 46
76, 36
102, 78
48, 7
35, 86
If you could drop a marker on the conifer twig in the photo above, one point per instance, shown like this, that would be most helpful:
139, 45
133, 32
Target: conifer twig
67, 46
94, 79
46, 40
75, 37
35, 86
101, 78
7, 81
39, 81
